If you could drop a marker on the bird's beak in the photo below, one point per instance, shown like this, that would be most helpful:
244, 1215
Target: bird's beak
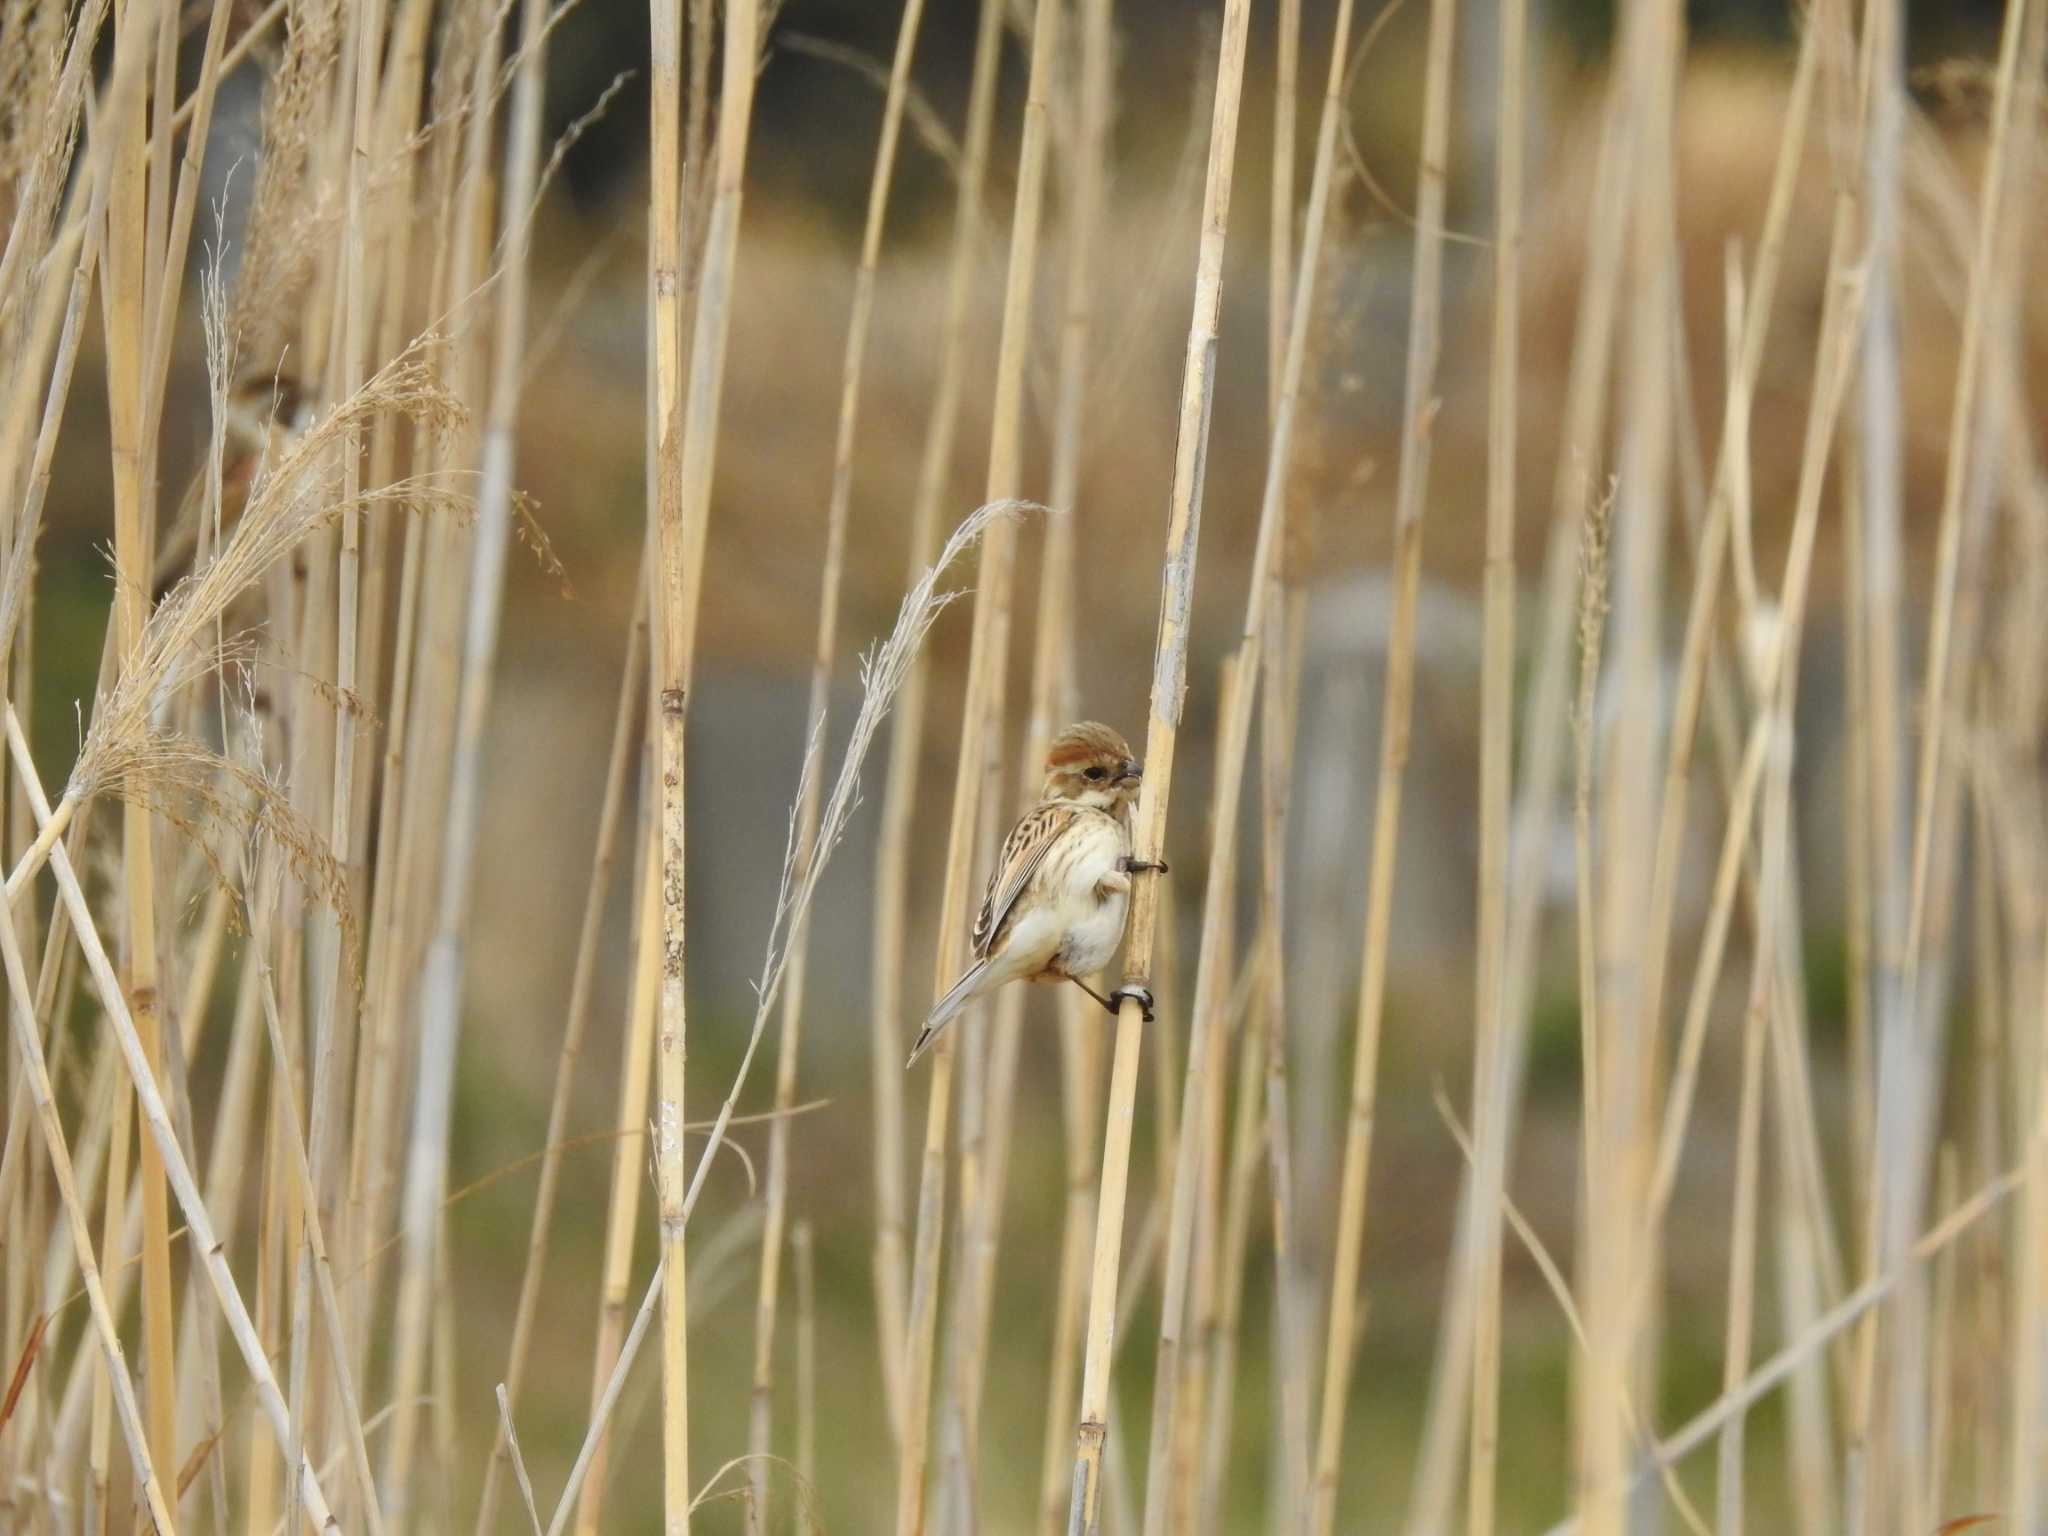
1132, 772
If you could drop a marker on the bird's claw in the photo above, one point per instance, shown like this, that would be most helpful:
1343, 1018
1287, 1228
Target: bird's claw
1141, 995
1132, 865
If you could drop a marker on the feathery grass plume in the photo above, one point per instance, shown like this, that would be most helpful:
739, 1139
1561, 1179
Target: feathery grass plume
216, 800
824, 651
287, 501
282, 235
884, 673
45, 118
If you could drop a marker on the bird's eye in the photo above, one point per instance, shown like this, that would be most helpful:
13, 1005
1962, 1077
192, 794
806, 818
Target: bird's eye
1094, 773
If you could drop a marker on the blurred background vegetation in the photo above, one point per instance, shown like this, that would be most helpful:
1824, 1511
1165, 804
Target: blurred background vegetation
581, 457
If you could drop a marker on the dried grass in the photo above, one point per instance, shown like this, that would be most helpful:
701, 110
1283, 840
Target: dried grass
247, 1116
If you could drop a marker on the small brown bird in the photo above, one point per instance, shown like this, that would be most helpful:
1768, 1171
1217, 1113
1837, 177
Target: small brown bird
1056, 904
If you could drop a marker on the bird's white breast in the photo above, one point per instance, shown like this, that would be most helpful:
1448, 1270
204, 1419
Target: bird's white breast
1092, 917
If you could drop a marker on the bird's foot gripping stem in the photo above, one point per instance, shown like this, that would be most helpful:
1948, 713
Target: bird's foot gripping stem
1130, 864
1137, 993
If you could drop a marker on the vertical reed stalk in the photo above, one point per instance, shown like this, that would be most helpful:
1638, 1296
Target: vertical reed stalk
131, 273
1489, 1086
452, 631
1052, 695
803, 1247
36, 1074
1169, 676
604, 848
1233, 1240
1292, 1296
1424, 340
629, 1155
1621, 1058
443, 970
1218, 905
859, 324
1909, 1065
981, 724
1280, 233
685, 451
157, 1119
1223, 967
1446, 1425
906, 740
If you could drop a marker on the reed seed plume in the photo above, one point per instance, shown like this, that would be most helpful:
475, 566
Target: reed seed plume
282, 240
883, 672
287, 502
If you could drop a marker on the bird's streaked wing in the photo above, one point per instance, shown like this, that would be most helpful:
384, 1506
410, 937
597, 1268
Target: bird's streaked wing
1023, 851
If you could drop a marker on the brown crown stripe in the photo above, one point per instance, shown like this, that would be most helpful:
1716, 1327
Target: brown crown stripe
1081, 748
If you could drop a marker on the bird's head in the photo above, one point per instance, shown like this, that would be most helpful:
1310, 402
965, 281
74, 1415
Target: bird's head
1091, 764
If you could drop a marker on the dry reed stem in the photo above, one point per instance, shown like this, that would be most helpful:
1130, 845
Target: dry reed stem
511, 1440
1766, 1378
884, 676
1280, 227
269, 1399
1573, 492
301, 1171
111, 1235
1726, 516
441, 976
2023, 1474
1620, 1066
463, 211
1217, 907
604, 847
38, 197
178, 240
131, 273
36, 1075
1881, 832
1423, 347
981, 724
1561, 1293
1169, 676
806, 1354
723, 1245
338, 1007
1052, 695
1233, 1238
1489, 1085
1908, 1070
1177, 1483
859, 324
1081, 127
686, 440
1294, 1305
900, 787
636, 1069
378, 1052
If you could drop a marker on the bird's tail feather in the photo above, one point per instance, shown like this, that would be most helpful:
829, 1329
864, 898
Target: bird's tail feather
957, 997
